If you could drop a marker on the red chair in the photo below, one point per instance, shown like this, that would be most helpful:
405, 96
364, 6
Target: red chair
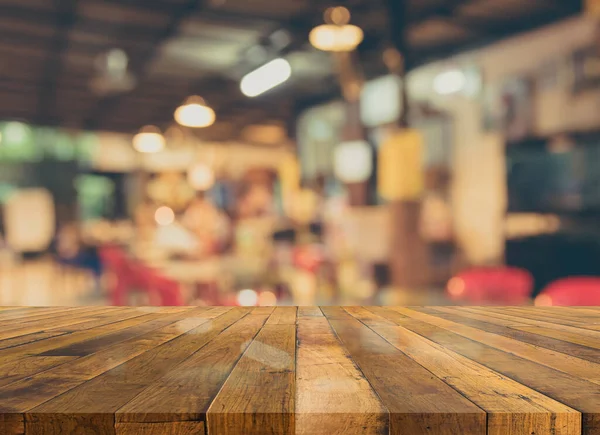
491, 285
161, 290
574, 291
114, 261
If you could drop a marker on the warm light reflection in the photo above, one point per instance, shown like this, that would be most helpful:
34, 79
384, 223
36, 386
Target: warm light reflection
266, 77
201, 177
164, 216
456, 287
330, 37
337, 35
195, 113
247, 298
149, 140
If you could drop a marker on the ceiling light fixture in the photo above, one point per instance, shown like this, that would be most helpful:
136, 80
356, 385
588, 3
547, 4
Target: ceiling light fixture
149, 140
266, 77
336, 35
195, 113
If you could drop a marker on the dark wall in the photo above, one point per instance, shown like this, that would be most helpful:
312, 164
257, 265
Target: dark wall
555, 256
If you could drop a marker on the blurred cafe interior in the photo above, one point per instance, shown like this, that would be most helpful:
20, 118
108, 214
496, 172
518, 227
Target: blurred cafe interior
299, 152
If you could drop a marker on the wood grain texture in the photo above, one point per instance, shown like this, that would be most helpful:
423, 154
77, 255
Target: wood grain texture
406, 389
266, 370
300, 370
515, 407
332, 395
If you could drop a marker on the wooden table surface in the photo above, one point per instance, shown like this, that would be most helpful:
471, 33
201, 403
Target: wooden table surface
307, 370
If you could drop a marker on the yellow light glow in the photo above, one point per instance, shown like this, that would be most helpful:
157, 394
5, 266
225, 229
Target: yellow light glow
201, 177
400, 166
195, 113
266, 77
267, 299
149, 140
164, 216
456, 287
247, 298
331, 37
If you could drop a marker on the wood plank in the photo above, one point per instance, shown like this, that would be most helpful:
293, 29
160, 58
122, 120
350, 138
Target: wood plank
513, 409
54, 424
172, 428
19, 319
57, 322
505, 320
406, 389
283, 316
571, 390
18, 352
106, 393
101, 320
29, 392
263, 310
13, 371
26, 312
554, 314
511, 320
542, 355
266, 370
29, 338
309, 312
510, 329
332, 395
185, 392
12, 424
545, 317
571, 337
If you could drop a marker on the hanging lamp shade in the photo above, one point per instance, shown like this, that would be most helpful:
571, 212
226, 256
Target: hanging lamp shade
400, 166
336, 35
353, 161
149, 140
195, 113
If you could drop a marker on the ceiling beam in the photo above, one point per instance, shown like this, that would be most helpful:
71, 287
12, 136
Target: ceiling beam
65, 20
140, 63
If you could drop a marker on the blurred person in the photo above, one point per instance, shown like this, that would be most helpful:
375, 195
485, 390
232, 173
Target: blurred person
145, 224
210, 225
71, 250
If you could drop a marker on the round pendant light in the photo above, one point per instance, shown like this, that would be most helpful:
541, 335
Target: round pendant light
149, 140
195, 113
336, 35
353, 161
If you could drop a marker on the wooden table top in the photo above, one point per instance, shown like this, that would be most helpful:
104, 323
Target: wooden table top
307, 370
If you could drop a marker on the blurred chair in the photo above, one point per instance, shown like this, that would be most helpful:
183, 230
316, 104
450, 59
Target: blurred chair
129, 276
491, 285
162, 291
574, 291
115, 263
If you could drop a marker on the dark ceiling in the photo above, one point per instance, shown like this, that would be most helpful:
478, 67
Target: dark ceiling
176, 48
